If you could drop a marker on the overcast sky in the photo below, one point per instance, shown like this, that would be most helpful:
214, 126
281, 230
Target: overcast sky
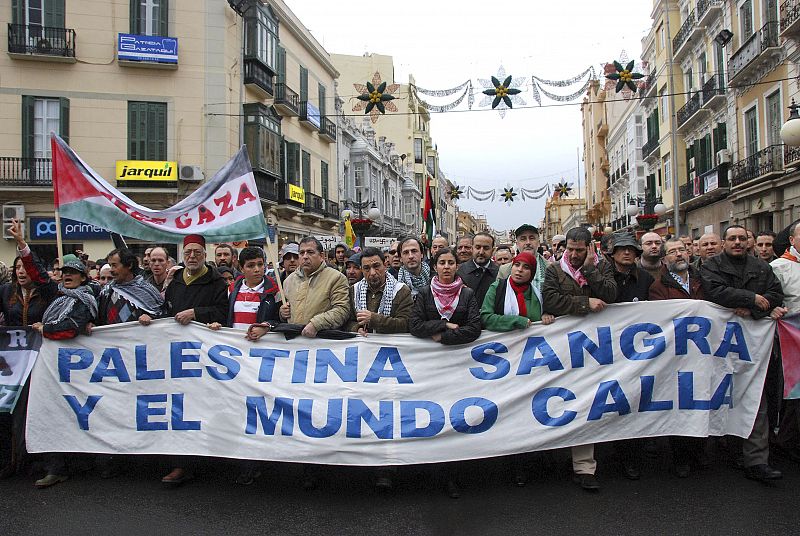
444, 42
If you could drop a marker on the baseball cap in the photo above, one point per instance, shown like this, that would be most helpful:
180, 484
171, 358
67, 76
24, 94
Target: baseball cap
526, 227
294, 249
74, 264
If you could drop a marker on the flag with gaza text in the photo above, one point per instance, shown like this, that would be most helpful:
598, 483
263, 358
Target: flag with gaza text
226, 208
789, 335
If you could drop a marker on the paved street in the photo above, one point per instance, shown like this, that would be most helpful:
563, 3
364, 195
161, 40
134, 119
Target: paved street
718, 500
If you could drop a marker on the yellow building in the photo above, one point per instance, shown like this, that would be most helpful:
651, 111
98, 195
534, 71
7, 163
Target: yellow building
561, 214
125, 80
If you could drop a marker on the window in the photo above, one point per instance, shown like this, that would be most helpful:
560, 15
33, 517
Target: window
774, 119
261, 36
664, 103
303, 84
48, 13
262, 135
149, 17
751, 131
358, 174
292, 174
746, 20
431, 165
689, 80
281, 65
662, 38
667, 173
322, 100
147, 130
418, 180
307, 172
719, 52
323, 173
701, 67
418, 150
40, 117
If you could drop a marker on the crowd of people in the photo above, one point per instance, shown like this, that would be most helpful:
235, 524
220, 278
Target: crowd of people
438, 291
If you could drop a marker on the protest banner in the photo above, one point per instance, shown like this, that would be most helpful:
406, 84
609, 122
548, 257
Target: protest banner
226, 208
329, 241
789, 335
681, 367
379, 242
19, 348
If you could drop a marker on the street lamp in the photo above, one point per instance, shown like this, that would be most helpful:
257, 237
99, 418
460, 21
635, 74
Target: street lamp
632, 209
361, 224
660, 209
790, 131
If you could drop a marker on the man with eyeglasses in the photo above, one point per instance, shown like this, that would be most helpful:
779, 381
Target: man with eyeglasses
393, 258
746, 284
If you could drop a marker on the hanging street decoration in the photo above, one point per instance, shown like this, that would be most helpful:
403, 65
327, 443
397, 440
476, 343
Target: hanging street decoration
375, 97
624, 76
535, 194
537, 83
502, 96
563, 189
456, 192
508, 195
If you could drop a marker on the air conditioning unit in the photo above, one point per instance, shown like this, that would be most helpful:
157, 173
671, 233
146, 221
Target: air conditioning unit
691, 163
12, 212
723, 157
191, 174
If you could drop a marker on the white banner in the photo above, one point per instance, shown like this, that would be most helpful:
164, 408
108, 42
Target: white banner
634, 370
19, 348
379, 241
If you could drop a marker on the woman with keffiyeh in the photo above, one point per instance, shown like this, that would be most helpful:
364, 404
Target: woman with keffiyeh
514, 303
447, 311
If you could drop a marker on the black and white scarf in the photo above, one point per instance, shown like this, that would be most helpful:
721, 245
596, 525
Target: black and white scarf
139, 293
390, 290
416, 282
62, 306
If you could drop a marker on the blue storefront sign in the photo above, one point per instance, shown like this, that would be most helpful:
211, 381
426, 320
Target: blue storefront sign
45, 229
313, 115
153, 48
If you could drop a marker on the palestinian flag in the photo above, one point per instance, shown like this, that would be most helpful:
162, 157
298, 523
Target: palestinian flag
429, 212
226, 208
789, 335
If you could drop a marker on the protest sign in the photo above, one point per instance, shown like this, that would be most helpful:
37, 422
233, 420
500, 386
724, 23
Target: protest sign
19, 348
680, 367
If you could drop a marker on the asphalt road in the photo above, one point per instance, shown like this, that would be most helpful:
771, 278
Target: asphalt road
716, 500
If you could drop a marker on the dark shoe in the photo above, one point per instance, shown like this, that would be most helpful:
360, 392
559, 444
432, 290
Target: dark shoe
631, 471
682, 470
587, 482
246, 478
177, 477
453, 491
384, 484
762, 473
50, 480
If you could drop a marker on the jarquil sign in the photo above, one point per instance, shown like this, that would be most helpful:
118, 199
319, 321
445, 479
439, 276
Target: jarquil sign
146, 170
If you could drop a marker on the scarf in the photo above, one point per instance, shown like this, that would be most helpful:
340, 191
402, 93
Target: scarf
415, 282
62, 306
791, 254
390, 289
446, 296
576, 274
519, 303
189, 279
139, 293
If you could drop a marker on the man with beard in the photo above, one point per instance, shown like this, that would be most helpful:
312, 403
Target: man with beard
479, 273
340, 254
464, 249
352, 269
579, 284
746, 284
651, 253
679, 280
159, 265
527, 239
226, 255
709, 245
415, 273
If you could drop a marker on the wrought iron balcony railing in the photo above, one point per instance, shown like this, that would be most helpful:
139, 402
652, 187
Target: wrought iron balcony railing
41, 40
15, 171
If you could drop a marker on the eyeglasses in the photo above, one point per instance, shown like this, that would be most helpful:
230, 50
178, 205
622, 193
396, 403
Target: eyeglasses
677, 250
193, 252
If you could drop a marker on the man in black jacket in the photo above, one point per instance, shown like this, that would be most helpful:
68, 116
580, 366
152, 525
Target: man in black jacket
746, 284
480, 272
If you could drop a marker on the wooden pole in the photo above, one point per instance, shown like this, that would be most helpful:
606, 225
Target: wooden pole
59, 241
272, 256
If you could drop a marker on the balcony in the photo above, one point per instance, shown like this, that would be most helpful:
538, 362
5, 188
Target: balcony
257, 77
684, 36
41, 43
714, 92
756, 52
287, 102
707, 11
688, 115
287, 207
331, 210
711, 186
18, 172
762, 165
650, 86
791, 156
328, 130
651, 148
314, 204
310, 116
267, 186
790, 18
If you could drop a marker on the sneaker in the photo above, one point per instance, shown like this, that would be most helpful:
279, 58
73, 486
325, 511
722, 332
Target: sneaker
587, 482
246, 478
50, 480
762, 473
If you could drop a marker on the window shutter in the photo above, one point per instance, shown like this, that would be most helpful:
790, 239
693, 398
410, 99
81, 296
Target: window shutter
324, 175
18, 12
281, 65
135, 21
303, 84
307, 172
163, 18
54, 13
63, 118
27, 126
322, 100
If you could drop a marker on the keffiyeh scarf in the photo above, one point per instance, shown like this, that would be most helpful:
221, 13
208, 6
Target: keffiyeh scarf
389, 292
415, 282
62, 306
445, 296
140, 293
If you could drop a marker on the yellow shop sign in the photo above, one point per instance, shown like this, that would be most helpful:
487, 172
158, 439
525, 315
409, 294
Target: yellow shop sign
297, 194
146, 170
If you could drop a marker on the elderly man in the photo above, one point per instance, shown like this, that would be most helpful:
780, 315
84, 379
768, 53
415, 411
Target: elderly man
159, 267
415, 272
651, 253
580, 283
764, 243
503, 255
740, 281
527, 239
464, 249
709, 246
479, 273
318, 296
352, 270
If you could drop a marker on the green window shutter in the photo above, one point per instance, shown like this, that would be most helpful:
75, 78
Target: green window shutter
303, 83
135, 122
324, 175
147, 131
163, 18
54, 13
135, 21
293, 163
281, 65
723, 135
27, 126
307, 172
63, 118
18, 12
322, 100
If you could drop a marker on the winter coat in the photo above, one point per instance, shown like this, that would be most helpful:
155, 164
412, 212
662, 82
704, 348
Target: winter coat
632, 286
787, 270
396, 322
426, 321
208, 296
43, 291
666, 288
493, 308
267, 308
723, 285
477, 278
323, 298
563, 296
